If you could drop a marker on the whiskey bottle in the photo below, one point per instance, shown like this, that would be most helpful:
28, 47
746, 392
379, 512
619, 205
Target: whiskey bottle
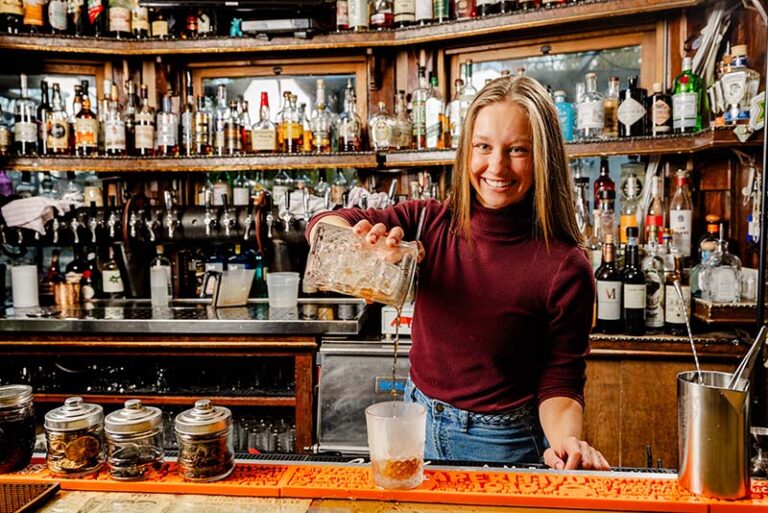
220, 118
404, 12
380, 128
167, 130
611, 107
590, 111
264, 133
231, 130
660, 111
320, 121
129, 116
202, 130
292, 127
43, 119
382, 14
57, 16
350, 125
403, 126
419, 111
633, 287
139, 20
676, 310
686, 100
306, 130
158, 24
632, 112
609, 289
114, 126
144, 130
25, 128
244, 121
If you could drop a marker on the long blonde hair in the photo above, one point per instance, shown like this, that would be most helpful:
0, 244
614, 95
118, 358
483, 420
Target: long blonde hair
554, 210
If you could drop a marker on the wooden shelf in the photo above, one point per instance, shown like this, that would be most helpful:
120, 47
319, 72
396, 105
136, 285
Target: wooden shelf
288, 402
433, 33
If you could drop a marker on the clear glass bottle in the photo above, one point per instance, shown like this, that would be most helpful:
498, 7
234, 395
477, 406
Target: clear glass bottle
707, 245
25, 188
380, 128
25, 129
469, 92
202, 128
720, 278
134, 437
132, 107
86, 127
114, 126
241, 190
655, 214
58, 125
246, 135
111, 278
607, 215
291, 127
681, 215
320, 121
419, 111
453, 112
687, 100
423, 12
434, 116
629, 205
160, 279
405, 13
566, 114
610, 108
144, 130
57, 16
653, 268
139, 20
403, 126
6, 137
739, 85
339, 187
231, 130
676, 310
590, 112
43, 118
167, 131
264, 132
281, 184
306, 130
188, 112
350, 125
359, 14
220, 115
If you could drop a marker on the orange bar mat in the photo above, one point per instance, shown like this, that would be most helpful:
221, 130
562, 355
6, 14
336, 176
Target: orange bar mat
603, 491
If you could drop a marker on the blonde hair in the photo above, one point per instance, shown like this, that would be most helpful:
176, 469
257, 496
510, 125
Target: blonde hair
553, 197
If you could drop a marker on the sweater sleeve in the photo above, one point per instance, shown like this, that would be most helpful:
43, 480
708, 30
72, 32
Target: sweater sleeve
570, 304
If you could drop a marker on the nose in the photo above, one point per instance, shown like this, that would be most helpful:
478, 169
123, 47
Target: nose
498, 162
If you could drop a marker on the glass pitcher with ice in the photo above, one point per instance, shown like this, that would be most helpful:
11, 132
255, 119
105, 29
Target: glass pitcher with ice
341, 261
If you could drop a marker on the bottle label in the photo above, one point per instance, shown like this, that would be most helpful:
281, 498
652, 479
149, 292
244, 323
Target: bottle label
218, 139
378, 19
674, 309
140, 19
590, 115
187, 128
112, 283
114, 135
14, 7
58, 134
627, 221
725, 286
263, 140
419, 118
342, 13
433, 112
405, 11
167, 132
241, 195
203, 23
684, 110
423, 10
654, 299
202, 129
95, 9
358, 13
144, 137
634, 296
440, 9
119, 19
662, 113
33, 13
654, 220
382, 133
609, 300
86, 132
57, 15
159, 28
630, 112
5, 138
680, 223
734, 87
25, 131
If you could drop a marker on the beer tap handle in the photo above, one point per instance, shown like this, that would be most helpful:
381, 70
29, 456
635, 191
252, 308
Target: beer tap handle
249, 219
327, 199
305, 200
74, 225
392, 194
55, 225
168, 199
93, 221
112, 221
132, 222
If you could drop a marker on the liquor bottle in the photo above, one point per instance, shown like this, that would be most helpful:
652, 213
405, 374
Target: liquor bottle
231, 129
590, 111
77, 17
43, 119
434, 116
681, 215
655, 214
291, 127
53, 275
241, 190
129, 116
34, 16
382, 14
111, 279
653, 269
453, 113
160, 279
350, 125
739, 85
611, 108
139, 20
686, 100
25, 128
667, 251
239, 260
632, 113
566, 114
246, 134
98, 22
720, 278
469, 92
419, 111
606, 219
320, 121
660, 111
158, 24
633, 286
202, 130
487, 7
167, 129
119, 18
403, 126
629, 205
342, 15
190, 26
676, 310
220, 117
603, 181
77, 106
206, 26
339, 187
464, 9
264, 133
57, 16
424, 11
78, 264
187, 142
11, 16
144, 130
237, 115
441, 10
359, 14
525, 5
6, 143
707, 245
114, 127
380, 128
405, 13
306, 129
609, 288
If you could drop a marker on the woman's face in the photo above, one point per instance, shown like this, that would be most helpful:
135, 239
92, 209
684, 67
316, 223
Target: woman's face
501, 166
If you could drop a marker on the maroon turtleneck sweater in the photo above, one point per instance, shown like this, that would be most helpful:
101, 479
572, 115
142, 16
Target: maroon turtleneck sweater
498, 322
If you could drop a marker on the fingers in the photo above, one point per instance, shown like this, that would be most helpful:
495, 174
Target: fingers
579, 454
552, 460
378, 231
422, 252
394, 237
362, 227
573, 453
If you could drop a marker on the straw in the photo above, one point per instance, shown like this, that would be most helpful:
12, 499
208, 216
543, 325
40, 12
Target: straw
744, 369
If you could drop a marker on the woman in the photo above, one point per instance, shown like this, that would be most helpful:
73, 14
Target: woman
504, 305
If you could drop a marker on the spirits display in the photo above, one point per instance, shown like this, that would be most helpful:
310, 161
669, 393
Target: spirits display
590, 112
611, 107
86, 127
660, 111
739, 85
681, 215
687, 100
720, 278
632, 113
264, 133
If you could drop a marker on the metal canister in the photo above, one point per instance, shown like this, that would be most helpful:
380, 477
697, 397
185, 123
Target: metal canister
134, 440
204, 434
712, 431
17, 427
75, 436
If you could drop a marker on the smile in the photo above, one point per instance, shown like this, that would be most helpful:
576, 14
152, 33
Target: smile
497, 184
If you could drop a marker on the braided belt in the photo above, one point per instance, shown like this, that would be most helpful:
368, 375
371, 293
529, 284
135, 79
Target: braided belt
514, 415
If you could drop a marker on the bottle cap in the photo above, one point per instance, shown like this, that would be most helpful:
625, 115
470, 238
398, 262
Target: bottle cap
739, 51
633, 232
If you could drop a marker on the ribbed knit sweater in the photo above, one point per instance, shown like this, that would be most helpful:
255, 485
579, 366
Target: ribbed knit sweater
500, 320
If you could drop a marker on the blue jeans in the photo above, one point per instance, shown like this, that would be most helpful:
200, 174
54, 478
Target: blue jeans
456, 435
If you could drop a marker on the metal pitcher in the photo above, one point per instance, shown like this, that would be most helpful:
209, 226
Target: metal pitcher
712, 434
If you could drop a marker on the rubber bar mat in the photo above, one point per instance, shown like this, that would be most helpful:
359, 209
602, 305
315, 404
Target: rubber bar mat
24, 497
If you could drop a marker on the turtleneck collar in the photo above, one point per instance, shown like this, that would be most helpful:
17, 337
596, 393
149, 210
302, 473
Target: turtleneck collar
515, 220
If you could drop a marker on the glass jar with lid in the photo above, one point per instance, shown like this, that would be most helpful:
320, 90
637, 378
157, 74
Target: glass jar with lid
75, 436
134, 440
17, 427
204, 434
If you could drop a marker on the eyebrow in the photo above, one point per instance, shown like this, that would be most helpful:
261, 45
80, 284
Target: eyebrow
487, 138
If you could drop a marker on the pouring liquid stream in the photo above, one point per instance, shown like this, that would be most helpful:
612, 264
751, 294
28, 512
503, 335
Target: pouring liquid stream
398, 312
679, 292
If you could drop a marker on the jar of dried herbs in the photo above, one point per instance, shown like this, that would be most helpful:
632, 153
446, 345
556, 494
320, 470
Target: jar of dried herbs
134, 440
204, 434
17, 427
75, 436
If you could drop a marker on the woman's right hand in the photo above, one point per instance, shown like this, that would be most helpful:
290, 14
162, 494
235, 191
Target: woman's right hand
392, 238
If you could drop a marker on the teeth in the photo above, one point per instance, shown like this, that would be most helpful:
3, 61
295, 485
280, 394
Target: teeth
497, 183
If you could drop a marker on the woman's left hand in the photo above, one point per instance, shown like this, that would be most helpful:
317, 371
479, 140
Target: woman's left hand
575, 454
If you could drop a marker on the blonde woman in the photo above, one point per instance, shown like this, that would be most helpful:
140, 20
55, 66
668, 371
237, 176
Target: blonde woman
504, 306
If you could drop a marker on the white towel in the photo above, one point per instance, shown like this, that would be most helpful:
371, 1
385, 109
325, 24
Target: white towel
375, 200
33, 213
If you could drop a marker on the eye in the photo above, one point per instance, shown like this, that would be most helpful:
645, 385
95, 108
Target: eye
482, 147
518, 150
